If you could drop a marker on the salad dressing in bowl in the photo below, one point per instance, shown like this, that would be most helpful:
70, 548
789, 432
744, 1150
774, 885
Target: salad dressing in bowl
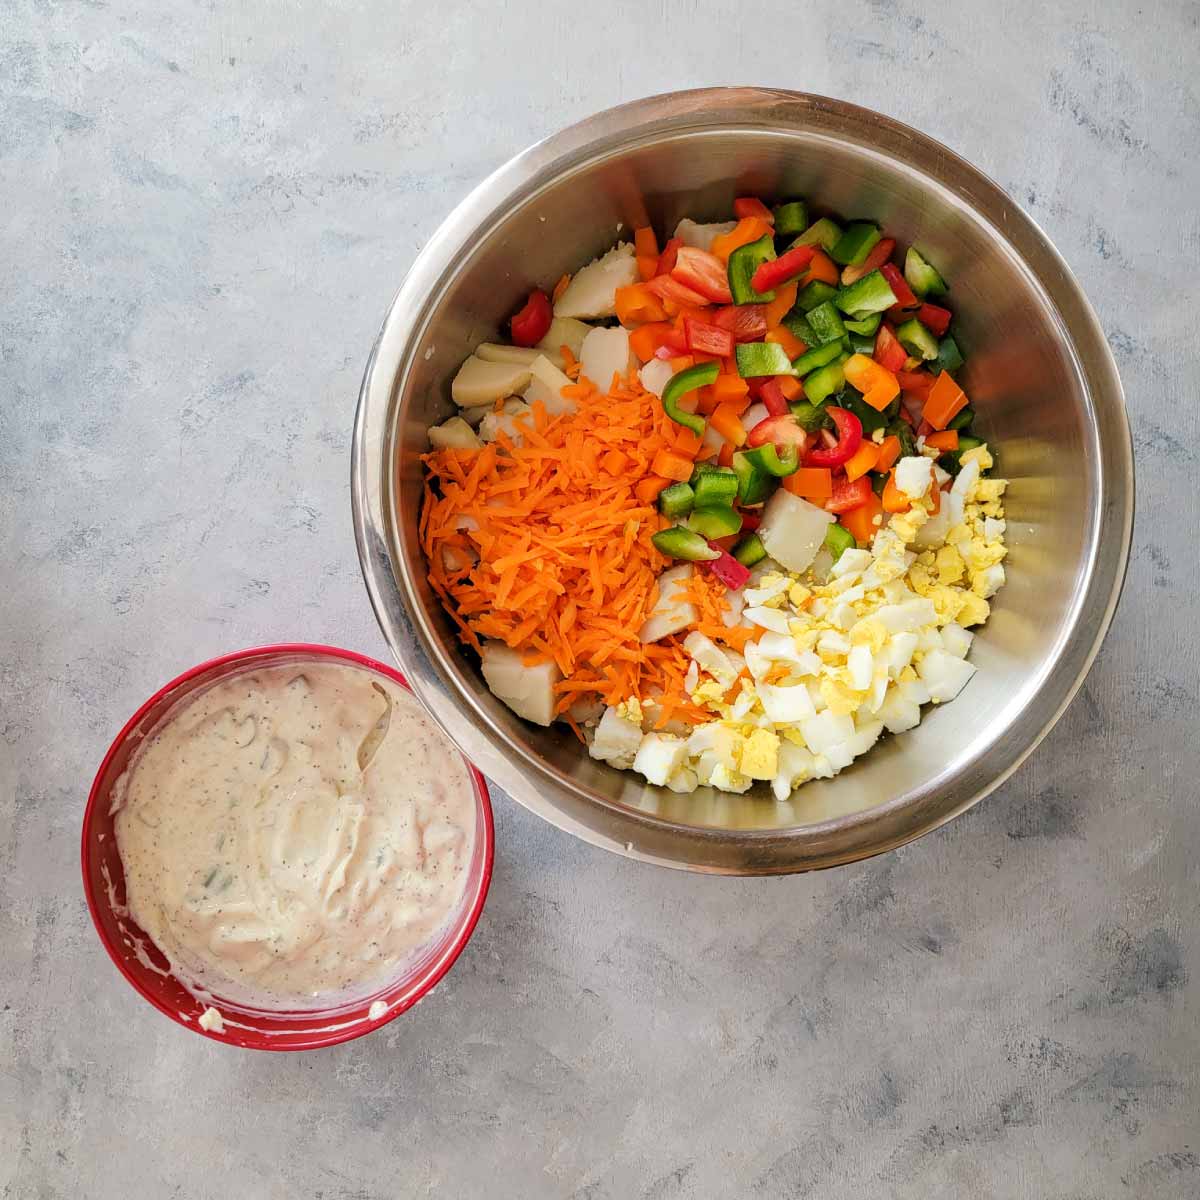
293, 834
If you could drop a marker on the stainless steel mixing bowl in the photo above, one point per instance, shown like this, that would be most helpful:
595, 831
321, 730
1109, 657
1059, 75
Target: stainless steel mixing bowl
1040, 376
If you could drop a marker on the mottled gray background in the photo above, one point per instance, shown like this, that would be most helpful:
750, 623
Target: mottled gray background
205, 210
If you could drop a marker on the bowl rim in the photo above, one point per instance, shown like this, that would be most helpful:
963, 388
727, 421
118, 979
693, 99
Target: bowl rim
615, 826
353, 1027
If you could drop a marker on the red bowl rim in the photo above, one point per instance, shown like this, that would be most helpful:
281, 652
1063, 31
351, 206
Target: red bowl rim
355, 1028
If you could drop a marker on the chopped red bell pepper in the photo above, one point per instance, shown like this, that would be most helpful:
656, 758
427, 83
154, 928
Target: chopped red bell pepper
752, 206
888, 351
532, 323
905, 297
773, 397
751, 520
777, 271
881, 252
702, 272
849, 429
667, 287
727, 568
782, 430
706, 338
934, 317
915, 383
666, 260
747, 322
848, 494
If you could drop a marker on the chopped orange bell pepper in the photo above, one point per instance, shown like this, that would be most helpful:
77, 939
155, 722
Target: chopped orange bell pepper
726, 420
637, 305
733, 391
889, 452
946, 401
646, 339
790, 386
810, 483
945, 439
864, 520
747, 230
862, 460
878, 385
644, 242
672, 466
823, 268
784, 302
647, 490
894, 500
793, 347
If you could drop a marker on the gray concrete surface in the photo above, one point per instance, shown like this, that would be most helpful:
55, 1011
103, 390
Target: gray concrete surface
205, 209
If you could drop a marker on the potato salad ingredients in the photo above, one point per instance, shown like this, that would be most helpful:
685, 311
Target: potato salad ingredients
724, 513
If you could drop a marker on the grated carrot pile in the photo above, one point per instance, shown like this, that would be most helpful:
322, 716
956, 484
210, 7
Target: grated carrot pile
566, 569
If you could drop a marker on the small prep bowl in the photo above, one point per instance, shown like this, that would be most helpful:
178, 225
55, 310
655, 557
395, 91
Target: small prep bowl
1038, 371
138, 959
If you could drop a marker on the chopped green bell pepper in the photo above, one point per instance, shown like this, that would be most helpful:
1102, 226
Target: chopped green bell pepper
715, 522
852, 248
917, 340
761, 358
676, 500
819, 356
797, 324
838, 539
715, 488
949, 356
827, 380
951, 461
826, 323
678, 542
750, 550
921, 277
870, 418
824, 233
861, 343
743, 262
754, 484
678, 386
870, 294
963, 420
814, 293
867, 326
811, 417
771, 460
791, 218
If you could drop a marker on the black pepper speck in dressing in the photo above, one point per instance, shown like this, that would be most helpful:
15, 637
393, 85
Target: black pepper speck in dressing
291, 836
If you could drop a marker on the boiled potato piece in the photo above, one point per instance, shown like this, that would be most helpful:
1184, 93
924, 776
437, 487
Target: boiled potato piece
454, 434
701, 236
592, 292
673, 611
546, 385
506, 420
564, 331
495, 352
793, 530
528, 691
604, 352
481, 382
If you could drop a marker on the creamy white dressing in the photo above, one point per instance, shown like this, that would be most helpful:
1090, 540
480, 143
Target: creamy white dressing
292, 835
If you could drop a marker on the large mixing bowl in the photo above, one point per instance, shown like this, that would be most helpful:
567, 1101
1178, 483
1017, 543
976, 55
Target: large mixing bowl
1039, 374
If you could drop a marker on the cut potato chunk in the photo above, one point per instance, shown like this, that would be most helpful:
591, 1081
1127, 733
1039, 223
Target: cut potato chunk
528, 691
673, 611
563, 331
605, 352
495, 352
546, 385
454, 434
592, 292
473, 416
655, 376
481, 382
505, 420
793, 530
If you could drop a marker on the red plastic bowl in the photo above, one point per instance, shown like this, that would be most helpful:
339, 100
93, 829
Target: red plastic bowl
139, 960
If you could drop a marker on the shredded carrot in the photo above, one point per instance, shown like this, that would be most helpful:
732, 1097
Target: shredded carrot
566, 569
564, 281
